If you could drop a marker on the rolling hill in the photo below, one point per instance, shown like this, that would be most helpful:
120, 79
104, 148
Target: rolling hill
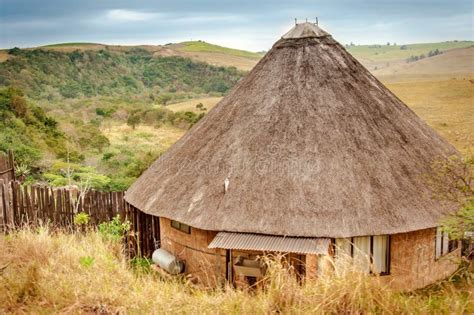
451, 63
51, 73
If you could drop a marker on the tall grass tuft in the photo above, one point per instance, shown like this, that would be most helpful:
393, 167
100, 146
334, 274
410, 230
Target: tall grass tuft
44, 272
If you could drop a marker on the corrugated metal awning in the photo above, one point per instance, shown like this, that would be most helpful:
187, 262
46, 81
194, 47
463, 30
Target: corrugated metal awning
271, 243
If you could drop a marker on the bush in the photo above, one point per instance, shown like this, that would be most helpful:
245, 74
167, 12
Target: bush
86, 261
81, 219
115, 229
141, 264
133, 120
104, 112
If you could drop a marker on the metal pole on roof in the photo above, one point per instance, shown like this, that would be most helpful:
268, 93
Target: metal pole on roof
296, 21
316, 20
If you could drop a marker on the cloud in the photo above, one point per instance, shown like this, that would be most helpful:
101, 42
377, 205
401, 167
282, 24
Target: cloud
122, 15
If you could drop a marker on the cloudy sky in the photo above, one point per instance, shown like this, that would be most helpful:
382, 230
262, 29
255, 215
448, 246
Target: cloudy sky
246, 24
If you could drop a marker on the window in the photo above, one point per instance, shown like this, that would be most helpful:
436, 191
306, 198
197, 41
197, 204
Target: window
444, 245
370, 253
181, 226
380, 251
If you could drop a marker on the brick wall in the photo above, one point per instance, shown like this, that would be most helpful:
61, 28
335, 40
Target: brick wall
200, 261
413, 264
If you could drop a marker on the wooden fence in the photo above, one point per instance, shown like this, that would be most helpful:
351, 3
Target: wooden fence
7, 167
35, 205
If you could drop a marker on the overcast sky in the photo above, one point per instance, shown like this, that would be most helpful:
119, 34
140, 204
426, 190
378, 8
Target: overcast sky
248, 24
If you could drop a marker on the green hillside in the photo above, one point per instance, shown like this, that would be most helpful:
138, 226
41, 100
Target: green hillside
25, 128
71, 44
90, 94
201, 46
49, 74
394, 52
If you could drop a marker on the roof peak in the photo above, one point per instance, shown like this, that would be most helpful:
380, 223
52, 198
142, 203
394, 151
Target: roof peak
305, 30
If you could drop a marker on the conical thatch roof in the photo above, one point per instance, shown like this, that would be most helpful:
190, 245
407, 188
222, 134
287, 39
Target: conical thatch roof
312, 145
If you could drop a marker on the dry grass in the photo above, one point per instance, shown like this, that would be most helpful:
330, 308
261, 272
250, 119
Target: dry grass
223, 59
446, 105
143, 136
190, 106
453, 63
75, 273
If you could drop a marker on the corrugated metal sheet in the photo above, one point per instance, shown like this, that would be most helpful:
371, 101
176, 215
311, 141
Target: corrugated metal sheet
249, 241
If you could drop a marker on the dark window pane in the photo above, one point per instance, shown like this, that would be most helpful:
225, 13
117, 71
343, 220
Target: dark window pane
185, 228
452, 245
175, 224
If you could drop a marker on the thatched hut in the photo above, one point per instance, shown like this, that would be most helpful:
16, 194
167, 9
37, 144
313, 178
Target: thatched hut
308, 155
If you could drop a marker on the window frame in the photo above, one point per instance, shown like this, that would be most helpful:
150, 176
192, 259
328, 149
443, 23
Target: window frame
371, 254
184, 228
442, 242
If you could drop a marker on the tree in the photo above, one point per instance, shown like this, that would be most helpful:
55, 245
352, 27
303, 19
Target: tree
453, 181
18, 105
133, 120
164, 98
201, 107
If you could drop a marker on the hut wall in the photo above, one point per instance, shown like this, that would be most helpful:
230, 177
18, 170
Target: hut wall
200, 261
413, 264
207, 266
412, 257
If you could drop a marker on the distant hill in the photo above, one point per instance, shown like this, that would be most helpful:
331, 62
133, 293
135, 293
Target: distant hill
201, 46
196, 50
218, 55
396, 52
450, 63
58, 71
376, 57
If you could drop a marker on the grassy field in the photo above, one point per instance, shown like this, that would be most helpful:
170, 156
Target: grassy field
217, 55
143, 137
456, 63
200, 46
446, 105
43, 272
390, 53
190, 106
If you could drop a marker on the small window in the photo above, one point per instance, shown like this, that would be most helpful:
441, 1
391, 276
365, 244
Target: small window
444, 244
181, 226
370, 253
251, 281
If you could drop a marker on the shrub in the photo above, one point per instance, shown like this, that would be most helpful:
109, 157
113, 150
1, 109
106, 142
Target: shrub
104, 112
141, 264
81, 219
86, 261
133, 120
115, 229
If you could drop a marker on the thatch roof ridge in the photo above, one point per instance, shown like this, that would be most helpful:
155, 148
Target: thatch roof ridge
312, 144
305, 30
